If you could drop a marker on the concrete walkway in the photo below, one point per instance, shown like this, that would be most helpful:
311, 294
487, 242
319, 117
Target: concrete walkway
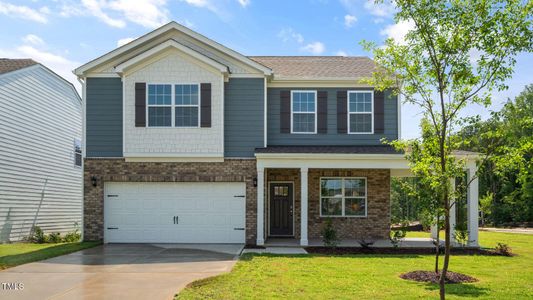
120, 271
508, 230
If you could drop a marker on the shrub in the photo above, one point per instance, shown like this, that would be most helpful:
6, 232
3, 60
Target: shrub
329, 235
461, 234
54, 237
397, 236
72, 237
503, 249
37, 235
366, 245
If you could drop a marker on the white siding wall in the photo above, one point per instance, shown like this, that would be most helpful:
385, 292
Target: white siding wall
173, 68
40, 116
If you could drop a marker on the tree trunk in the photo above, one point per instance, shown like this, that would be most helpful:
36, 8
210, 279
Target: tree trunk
437, 246
442, 280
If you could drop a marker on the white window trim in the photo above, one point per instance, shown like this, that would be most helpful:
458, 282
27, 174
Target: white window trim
173, 105
361, 113
343, 215
292, 112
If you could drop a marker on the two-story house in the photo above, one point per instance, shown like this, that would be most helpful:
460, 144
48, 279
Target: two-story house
188, 141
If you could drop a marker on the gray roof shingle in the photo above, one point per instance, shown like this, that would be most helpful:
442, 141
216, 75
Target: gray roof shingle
316, 67
10, 65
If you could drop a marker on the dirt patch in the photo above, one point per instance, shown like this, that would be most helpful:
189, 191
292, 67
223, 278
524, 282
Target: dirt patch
432, 277
412, 251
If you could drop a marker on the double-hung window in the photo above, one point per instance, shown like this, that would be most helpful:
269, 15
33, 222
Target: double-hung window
78, 159
173, 105
360, 111
343, 197
303, 112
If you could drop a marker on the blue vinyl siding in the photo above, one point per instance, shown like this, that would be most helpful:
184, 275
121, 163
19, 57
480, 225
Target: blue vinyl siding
104, 117
332, 138
243, 116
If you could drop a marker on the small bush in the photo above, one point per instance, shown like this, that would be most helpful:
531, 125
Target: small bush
397, 236
366, 245
72, 237
329, 235
37, 236
54, 238
503, 249
461, 234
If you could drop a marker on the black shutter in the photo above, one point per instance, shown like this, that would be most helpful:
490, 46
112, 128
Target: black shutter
285, 111
342, 113
205, 105
379, 112
140, 104
322, 112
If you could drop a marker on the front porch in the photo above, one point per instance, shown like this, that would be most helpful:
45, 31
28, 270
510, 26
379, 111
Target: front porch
298, 192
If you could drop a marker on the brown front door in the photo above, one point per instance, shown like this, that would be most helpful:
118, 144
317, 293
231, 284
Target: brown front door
281, 209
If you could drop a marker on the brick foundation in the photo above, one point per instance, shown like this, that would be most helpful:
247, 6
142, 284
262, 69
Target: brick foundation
118, 170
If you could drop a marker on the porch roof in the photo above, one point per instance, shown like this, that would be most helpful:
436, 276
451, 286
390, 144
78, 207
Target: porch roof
378, 149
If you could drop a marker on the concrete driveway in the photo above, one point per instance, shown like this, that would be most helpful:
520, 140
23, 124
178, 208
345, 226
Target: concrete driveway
119, 271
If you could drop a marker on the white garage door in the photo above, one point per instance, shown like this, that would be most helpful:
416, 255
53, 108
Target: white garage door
184, 212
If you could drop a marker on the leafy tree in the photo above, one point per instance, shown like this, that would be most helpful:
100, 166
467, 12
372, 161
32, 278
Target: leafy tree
506, 177
435, 68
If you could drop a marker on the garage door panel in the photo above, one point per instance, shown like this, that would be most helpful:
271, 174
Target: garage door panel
144, 212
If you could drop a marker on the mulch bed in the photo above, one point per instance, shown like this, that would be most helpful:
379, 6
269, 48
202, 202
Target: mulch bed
432, 277
415, 251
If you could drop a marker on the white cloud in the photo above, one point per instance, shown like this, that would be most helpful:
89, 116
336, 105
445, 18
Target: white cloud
116, 13
95, 8
218, 10
341, 53
398, 31
349, 20
124, 41
383, 10
288, 34
57, 63
244, 3
24, 12
147, 13
32, 39
314, 48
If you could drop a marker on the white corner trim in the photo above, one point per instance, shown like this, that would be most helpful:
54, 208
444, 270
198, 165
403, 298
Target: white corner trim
399, 117
265, 114
161, 30
222, 109
171, 44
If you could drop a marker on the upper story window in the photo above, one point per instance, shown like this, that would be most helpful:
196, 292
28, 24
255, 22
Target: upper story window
173, 105
303, 112
360, 111
77, 153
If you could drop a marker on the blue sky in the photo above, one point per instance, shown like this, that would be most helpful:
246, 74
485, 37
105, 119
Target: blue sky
64, 34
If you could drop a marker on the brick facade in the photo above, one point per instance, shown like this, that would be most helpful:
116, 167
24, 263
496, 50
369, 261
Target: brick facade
375, 226
118, 170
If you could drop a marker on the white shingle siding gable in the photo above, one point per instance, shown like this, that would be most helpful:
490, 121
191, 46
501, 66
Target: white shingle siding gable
172, 67
40, 116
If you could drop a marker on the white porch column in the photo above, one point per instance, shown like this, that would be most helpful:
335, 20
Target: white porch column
303, 215
434, 230
473, 205
453, 210
260, 207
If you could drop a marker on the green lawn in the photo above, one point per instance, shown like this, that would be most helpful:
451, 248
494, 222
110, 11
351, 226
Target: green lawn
372, 276
21, 253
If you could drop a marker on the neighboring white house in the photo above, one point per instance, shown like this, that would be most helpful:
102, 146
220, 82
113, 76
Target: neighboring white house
40, 150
